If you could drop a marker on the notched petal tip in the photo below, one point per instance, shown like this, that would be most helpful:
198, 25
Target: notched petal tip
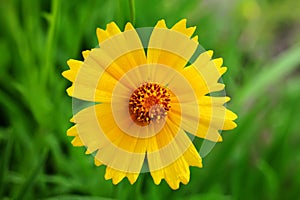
72, 120
70, 75
234, 125
227, 99
216, 87
115, 175
101, 35
220, 139
218, 62
132, 177
181, 27
161, 24
129, 26
229, 125
157, 176
231, 115
88, 152
190, 31
97, 162
183, 21
70, 91
210, 53
76, 142
229, 120
195, 38
179, 171
86, 53
74, 64
111, 25
112, 28
99, 30
72, 131
157, 181
174, 185
222, 70
65, 74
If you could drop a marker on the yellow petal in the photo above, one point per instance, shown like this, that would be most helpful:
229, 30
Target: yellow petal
218, 62
229, 123
204, 74
115, 134
102, 35
88, 94
86, 53
202, 130
85, 80
115, 148
197, 82
213, 101
203, 59
71, 74
76, 142
222, 70
195, 39
97, 162
126, 62
70, 91
213, 116
72, 131
159, 158
230, 115
117, 175
169, 47
74, 64
120, 53
88, 152
111, 30
178, 171
181, 27
192, 157
95, 78
132, 177
161, 24
128, 26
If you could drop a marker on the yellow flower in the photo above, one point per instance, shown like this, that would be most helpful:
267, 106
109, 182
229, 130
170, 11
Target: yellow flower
148, 94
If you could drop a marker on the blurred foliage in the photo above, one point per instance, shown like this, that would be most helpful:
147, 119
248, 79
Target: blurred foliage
259, 41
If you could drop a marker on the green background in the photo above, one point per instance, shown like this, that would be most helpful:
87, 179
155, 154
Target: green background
259, 41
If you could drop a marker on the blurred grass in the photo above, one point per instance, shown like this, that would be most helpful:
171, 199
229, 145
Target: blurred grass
259, 41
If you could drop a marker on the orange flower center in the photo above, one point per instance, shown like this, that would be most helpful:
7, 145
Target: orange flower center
149, 102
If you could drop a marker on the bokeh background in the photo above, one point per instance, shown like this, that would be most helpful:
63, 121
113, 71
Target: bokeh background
260, 43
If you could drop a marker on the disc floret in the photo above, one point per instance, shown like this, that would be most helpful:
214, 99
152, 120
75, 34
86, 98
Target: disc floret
150, 102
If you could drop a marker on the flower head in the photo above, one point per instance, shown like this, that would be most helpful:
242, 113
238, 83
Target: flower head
148, 94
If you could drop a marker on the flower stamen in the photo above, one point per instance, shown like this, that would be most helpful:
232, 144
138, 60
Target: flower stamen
149, 102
